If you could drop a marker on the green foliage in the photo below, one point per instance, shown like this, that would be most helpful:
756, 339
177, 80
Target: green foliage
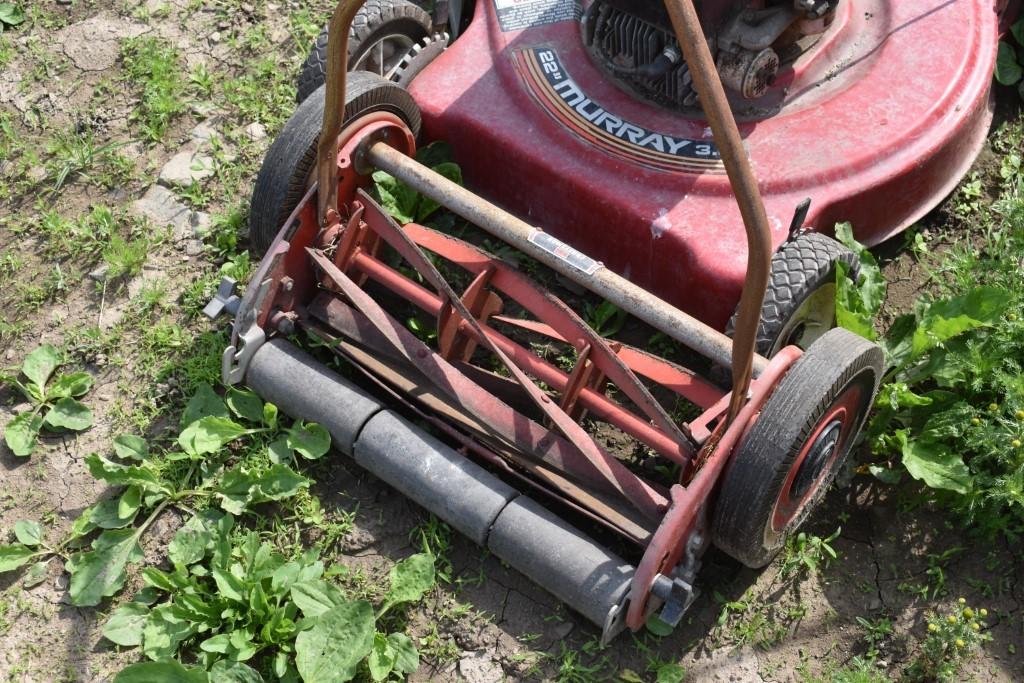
231, 602
950, 412
75, 155
54, 403
155, 67
232, 599
951, 640
11, 14
858, 303
1010, 60
808, 553
405, 204
606, 318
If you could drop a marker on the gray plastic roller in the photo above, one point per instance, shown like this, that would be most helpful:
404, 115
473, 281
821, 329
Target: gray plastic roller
558, 557
305, 389
564, 561
429, 472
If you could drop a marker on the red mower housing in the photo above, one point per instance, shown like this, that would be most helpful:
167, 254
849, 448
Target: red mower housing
876, 124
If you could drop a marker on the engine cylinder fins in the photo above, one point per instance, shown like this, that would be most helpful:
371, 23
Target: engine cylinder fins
563, 560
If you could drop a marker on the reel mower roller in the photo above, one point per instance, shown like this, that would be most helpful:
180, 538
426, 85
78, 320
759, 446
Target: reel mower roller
508, 453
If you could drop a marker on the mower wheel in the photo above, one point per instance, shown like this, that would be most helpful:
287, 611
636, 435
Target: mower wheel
800, 303
796, 445
290, 163
382, 34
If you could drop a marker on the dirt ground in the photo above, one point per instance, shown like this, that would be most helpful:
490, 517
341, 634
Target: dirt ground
897, 559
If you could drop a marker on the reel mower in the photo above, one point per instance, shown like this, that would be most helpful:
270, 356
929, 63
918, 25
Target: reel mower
618, 145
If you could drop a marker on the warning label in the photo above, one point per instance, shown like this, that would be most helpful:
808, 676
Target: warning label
563, 252
515, 15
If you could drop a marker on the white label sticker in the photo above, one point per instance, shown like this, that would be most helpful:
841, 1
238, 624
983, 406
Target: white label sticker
563, 252
516, 15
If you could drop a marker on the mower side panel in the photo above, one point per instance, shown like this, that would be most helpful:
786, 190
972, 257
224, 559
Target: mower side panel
877, 128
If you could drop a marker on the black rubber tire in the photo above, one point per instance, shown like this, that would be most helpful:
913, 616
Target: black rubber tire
375, 19
799, 268
282, 180
756, 476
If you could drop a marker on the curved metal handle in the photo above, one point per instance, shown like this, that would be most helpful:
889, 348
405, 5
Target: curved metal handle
334, 109
726, 134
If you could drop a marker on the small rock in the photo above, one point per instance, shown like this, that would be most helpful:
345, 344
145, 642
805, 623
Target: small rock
193, 248
256, 131
203, 133
58, 316
61, 582
37, 174
163, 208
478, 667
149, 274
186, 167
247, 8
201, 224
215, 37
561, 631
65, 2
875, 604
100, 274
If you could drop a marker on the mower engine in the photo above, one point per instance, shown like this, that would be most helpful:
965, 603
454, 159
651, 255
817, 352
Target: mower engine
635, 44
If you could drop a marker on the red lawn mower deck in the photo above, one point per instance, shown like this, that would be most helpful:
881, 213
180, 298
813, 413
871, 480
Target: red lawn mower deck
875, 123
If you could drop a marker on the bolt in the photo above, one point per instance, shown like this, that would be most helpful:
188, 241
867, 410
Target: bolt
286, 326
287, 284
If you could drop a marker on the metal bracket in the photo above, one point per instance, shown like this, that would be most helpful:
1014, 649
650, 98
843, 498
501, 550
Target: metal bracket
250, 337
796, 226
224, 301
677, 596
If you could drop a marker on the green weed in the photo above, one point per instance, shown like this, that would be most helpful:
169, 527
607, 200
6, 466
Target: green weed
806, 552
950, 641
53, 403
951, 410
74, 155
1010, 63
155, 67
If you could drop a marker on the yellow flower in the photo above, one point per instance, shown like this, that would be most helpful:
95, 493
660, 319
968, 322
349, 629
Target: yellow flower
960, 643
962, 601
975, 626
975, 421
932, 628
983, 612
993, 407
968, 612
1015, 443
1020, 414
951, 619
1011, 316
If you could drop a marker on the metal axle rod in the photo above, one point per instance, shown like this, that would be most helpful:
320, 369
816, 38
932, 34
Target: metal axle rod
631, 298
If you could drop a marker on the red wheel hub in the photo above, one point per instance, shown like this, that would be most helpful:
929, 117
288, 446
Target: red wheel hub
818, 456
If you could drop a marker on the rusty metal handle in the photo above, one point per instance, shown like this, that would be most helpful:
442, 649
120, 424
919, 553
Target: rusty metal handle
334, 109
726, 134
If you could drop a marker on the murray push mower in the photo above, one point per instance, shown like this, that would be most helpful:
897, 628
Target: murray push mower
666, 151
